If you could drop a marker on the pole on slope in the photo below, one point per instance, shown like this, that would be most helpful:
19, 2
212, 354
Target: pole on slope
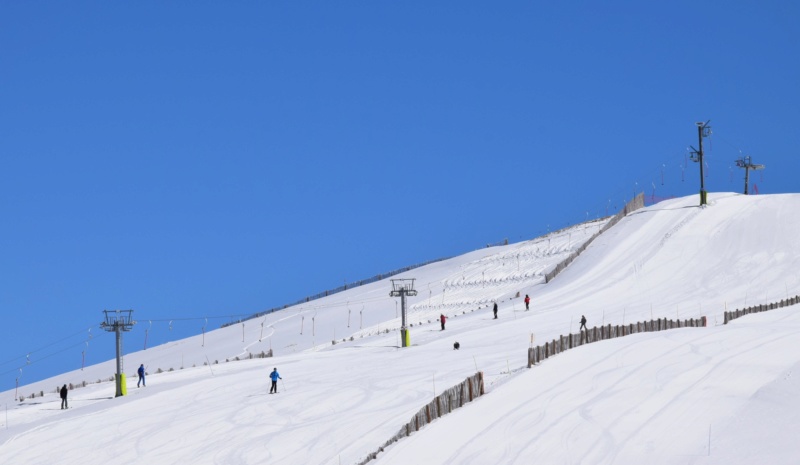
118, 321
402, 288
703, 130
747, 164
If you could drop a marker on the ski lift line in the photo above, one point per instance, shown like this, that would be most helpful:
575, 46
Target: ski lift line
623, 192
726, 142
339, 304
248, 315
710, 160
46, 346
228, 316
45, 357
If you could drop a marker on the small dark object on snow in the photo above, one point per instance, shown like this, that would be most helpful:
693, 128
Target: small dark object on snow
456, 346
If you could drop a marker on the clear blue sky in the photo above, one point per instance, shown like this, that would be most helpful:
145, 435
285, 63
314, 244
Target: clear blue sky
202, 159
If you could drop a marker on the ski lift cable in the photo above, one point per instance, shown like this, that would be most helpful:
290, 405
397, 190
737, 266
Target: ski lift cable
44, 347
45, 357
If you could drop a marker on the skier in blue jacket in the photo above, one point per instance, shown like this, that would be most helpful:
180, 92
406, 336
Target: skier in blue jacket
141, 375
274, 376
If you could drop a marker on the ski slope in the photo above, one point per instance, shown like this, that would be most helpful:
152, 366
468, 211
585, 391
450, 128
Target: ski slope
722, 394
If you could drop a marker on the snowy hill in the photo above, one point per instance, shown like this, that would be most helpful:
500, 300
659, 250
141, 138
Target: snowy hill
679, 396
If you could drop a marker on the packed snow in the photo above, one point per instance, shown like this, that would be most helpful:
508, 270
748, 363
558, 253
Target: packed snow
720, 394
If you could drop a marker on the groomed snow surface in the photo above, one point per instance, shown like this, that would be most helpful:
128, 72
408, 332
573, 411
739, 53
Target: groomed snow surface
726, 394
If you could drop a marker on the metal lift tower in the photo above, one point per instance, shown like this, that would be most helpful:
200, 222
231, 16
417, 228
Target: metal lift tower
703, 130
118, 321
748, 165
402, 288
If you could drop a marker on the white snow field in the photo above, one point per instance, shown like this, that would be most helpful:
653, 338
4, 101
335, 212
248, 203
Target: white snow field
720, 394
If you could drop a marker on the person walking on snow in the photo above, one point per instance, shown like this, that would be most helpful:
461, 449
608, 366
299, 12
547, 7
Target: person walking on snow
141, 376
274, 376
527, 302
64, 397
442, 318
495, 310
583, 323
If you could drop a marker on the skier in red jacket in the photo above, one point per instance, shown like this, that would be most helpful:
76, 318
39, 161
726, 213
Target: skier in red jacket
442, 318
527, 302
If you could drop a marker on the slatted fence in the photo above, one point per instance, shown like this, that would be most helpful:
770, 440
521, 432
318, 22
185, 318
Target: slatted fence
760, 308
441, 405
633, 205
556, 346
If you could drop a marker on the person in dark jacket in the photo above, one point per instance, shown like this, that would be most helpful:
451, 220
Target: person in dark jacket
495, 310
64, 397
141, 376
274, 376
527, 302
583, 323
442, 319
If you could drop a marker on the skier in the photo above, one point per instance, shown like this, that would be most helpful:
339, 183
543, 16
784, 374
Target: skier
495, 310
583, 323
274, 376
527, 302
64, 398
141, 376
442, 318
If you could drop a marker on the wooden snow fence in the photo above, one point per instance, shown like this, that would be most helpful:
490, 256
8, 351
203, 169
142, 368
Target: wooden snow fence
633, 205
556, 346
451, 399
760, 308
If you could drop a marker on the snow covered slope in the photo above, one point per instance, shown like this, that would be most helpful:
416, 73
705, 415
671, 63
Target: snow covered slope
649, 397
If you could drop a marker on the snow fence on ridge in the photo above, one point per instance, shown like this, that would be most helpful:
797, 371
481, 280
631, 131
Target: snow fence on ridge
633, 205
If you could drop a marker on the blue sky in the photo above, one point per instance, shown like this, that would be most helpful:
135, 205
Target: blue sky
206, 159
